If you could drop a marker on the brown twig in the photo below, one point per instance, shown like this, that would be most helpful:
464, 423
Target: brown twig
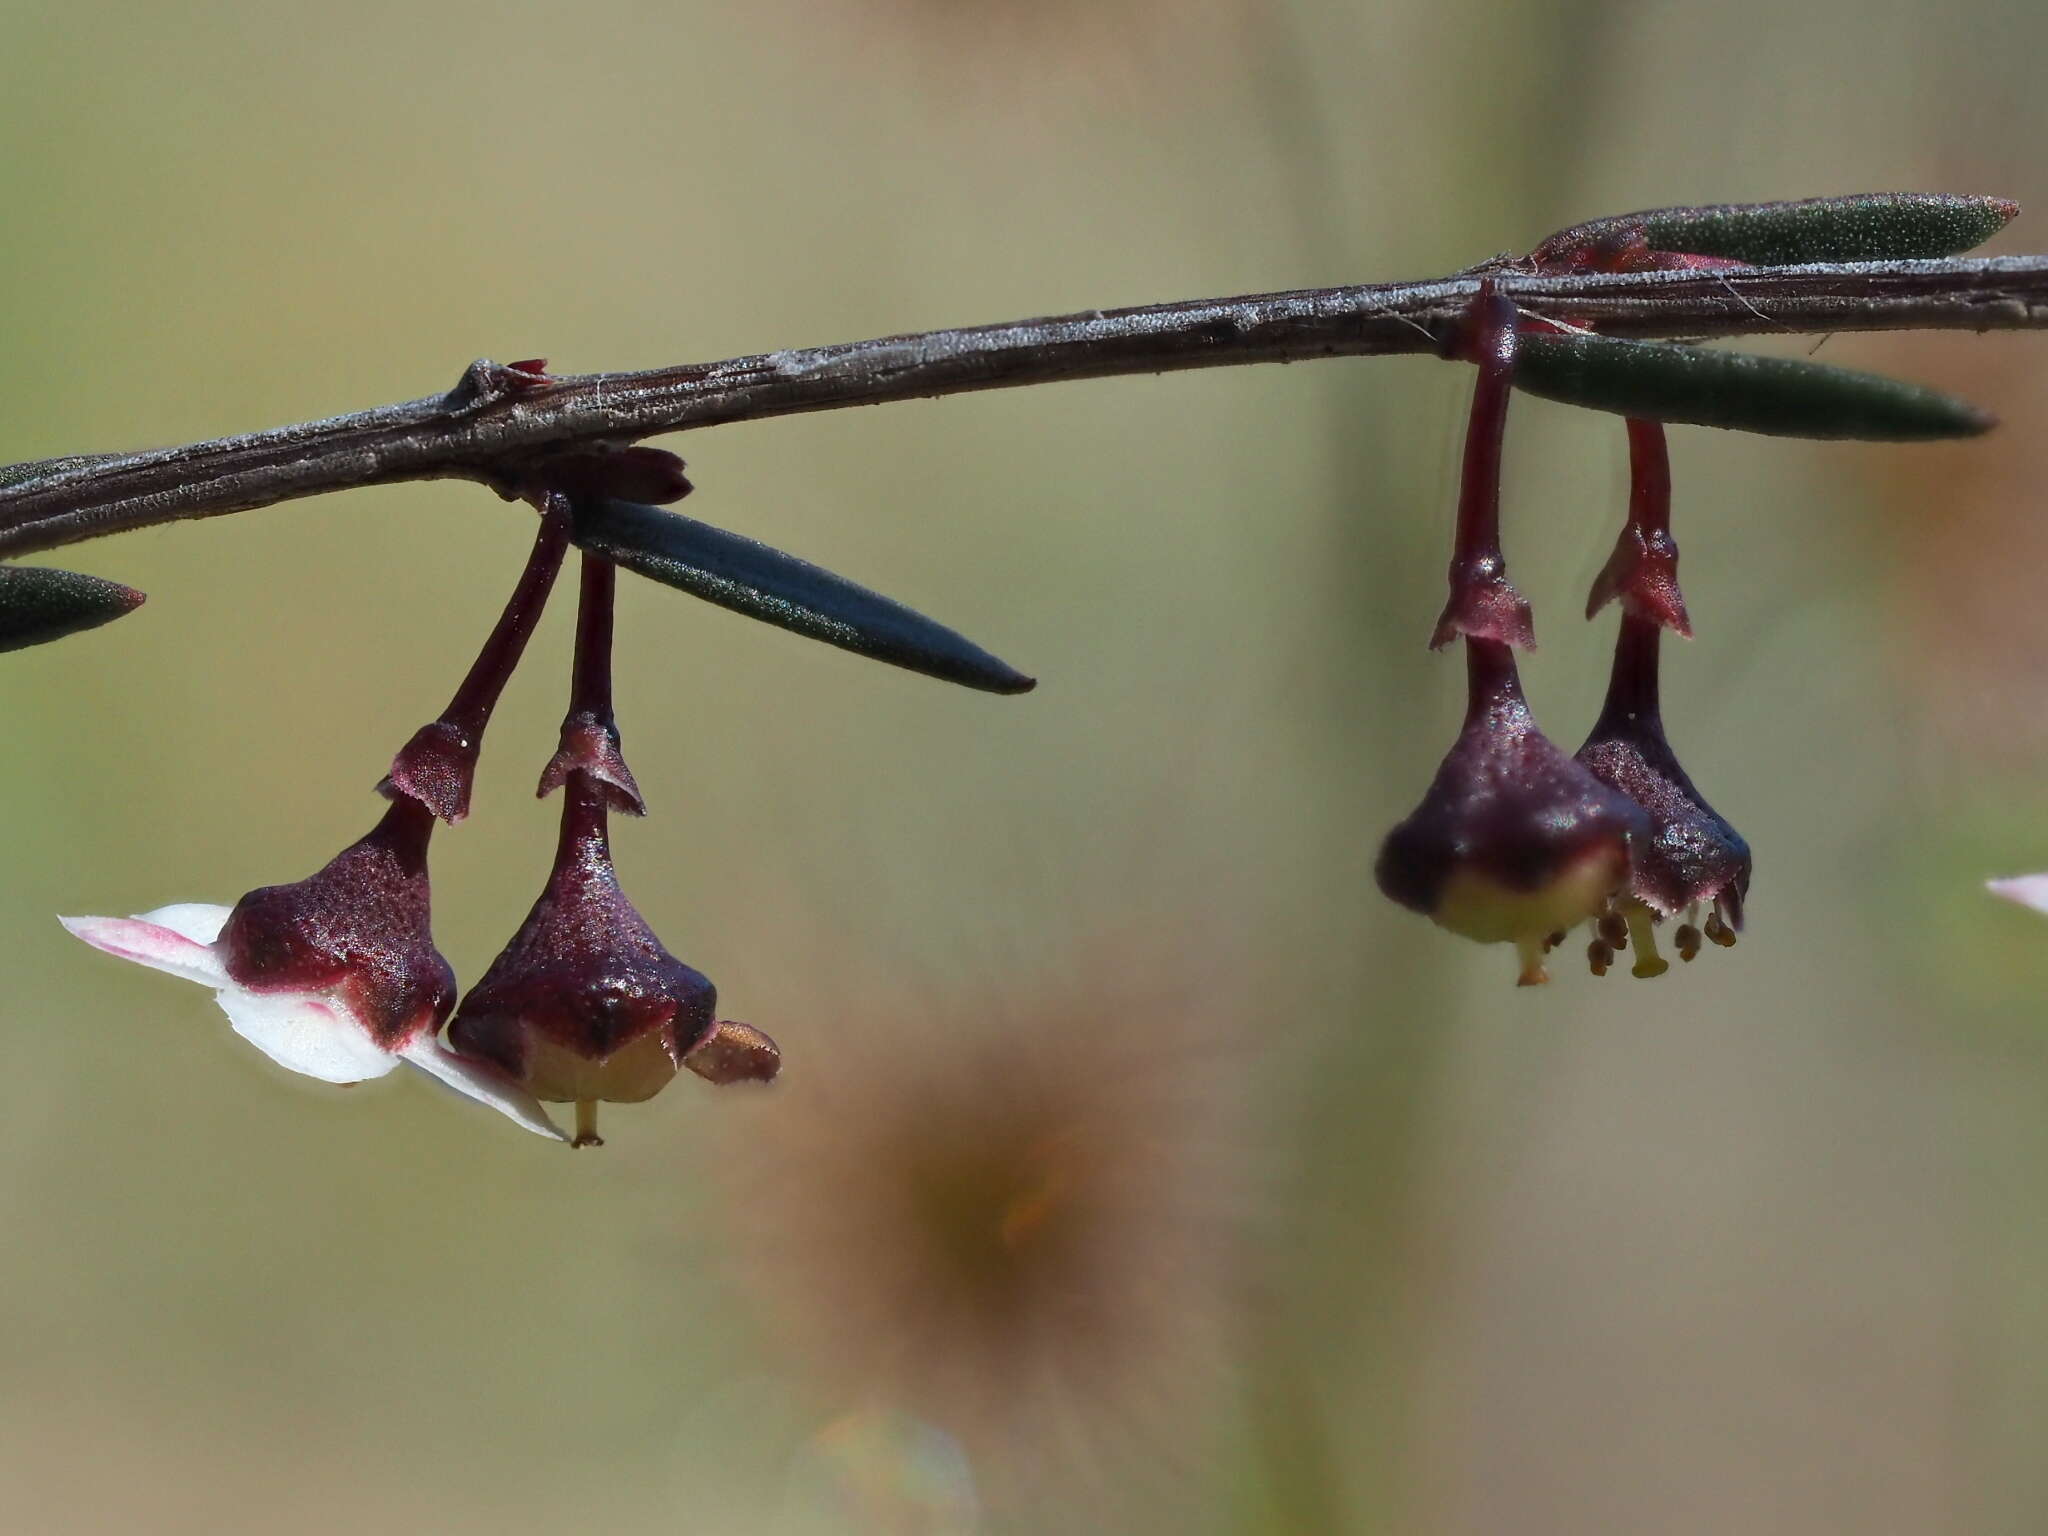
499, 422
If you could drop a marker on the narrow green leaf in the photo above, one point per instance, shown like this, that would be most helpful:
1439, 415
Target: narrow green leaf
39, 605
1781, 397
764, 583
1870, 226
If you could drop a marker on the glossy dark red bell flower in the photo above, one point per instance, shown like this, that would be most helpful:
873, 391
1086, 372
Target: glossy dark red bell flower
1514, 843
585, 1004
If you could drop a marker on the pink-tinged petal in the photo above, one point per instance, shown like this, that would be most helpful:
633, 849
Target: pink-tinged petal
482, 1083
306, 1034
156, 945
198, 921
2027, 890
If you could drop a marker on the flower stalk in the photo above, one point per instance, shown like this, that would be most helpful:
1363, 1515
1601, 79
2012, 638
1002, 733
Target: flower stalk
1482, 604
437, 767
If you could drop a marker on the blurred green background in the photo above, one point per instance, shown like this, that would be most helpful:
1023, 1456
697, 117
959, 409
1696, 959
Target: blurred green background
1304, 1218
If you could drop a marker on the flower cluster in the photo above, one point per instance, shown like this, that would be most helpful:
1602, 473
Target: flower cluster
337, 976
1515, 842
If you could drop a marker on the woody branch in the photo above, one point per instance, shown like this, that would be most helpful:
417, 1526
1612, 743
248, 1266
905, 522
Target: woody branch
499, 423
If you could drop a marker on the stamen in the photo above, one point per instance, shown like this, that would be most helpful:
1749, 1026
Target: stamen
1533, 973
1648, 962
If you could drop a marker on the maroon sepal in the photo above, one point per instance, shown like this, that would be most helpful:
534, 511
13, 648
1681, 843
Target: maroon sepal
589, 745
361, 925
1642, 573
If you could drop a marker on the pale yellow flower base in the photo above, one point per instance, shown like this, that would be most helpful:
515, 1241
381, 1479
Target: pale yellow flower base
1476, 906
635, 1072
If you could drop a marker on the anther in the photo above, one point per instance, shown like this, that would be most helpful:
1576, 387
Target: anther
1688, 941
1613, 931
1720, 932
1599, 957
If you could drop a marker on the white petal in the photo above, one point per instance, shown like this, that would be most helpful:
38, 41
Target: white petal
158, 946
196, 920
2027, 890
306, 1033
482, 1084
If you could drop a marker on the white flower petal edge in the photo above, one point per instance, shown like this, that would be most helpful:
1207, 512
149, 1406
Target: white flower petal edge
162, 946
482, 1084
2027, 890
199, 921
305, 1033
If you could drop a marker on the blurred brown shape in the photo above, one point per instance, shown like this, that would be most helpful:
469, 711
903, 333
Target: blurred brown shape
1013, 1214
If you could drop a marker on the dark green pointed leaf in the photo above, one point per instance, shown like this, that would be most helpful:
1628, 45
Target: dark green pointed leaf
39, 605
764, 583
1870, 226
1782, 397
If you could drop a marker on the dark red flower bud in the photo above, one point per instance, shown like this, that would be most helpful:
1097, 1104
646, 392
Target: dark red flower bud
1515, 843
585, 1004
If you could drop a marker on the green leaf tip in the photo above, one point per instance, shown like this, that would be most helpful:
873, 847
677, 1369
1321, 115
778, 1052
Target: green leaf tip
1866, 226
1780, 397
38, 605
764, 583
